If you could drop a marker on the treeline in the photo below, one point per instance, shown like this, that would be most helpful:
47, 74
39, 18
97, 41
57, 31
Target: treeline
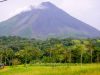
16, 50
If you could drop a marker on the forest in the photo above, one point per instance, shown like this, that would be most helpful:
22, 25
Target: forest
16, 50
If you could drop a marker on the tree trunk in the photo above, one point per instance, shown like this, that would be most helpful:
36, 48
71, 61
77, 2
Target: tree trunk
91, 55
70, 57
97, 58
81, 59
26, 61
5, 61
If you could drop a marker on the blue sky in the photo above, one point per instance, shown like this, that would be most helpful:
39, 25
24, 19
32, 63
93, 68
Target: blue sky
86, 10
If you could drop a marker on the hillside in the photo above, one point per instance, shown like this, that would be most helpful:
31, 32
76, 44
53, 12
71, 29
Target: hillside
47, 20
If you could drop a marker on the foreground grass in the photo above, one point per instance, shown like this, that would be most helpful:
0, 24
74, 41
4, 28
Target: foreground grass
53, 69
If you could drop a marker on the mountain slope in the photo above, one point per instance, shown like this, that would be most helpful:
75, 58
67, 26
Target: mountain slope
47, 20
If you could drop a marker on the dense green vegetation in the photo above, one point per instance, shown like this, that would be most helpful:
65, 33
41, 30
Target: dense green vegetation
16, 50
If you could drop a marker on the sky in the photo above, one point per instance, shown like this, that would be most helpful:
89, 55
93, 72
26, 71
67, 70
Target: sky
87, 11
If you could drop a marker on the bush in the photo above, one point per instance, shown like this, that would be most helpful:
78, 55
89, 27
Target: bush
15, 62
35, 62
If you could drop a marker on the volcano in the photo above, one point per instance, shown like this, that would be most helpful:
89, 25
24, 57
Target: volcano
46, 20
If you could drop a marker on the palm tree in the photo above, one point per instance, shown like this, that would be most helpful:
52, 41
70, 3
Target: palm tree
70, 54
81, 48
90, 47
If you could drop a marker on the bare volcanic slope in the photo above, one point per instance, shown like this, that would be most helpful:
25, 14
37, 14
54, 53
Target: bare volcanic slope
46, 20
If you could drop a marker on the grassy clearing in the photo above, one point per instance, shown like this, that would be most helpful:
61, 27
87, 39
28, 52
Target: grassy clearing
53, 69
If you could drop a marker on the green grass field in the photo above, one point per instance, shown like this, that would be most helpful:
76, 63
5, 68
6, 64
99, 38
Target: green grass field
52, 69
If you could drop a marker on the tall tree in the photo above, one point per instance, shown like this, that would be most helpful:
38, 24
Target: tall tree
82, 49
